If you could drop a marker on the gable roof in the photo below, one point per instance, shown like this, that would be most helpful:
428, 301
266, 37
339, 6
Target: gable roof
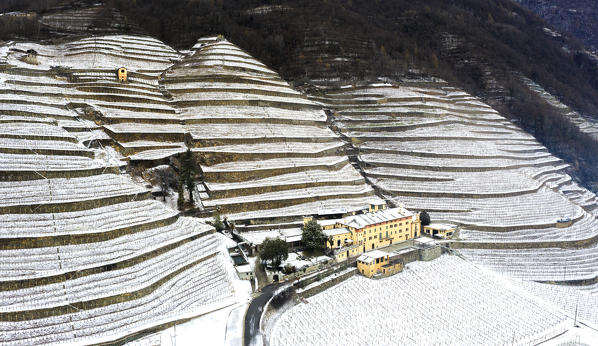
363, 220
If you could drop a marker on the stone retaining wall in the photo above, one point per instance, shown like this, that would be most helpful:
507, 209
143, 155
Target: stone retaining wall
246, 175
25, 242
41, 174
327, 284
62, 207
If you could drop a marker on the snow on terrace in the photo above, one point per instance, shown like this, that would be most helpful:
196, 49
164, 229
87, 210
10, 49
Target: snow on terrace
568, 298
449, 131
266, 131
307, 148
345, 175
459, 149
454, 302
137, 53
33, 145
230, 57
477, 184
225, 113
87, 287
540, 264
324, 192
46, 163
584, 228
275, 164
444, 157
156, 277
201, 289
63, 190
521, 211
34, 131
108, 218
211, 88
185, 86
456, 164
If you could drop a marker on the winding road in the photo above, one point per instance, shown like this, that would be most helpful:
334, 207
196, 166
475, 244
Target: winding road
252, 335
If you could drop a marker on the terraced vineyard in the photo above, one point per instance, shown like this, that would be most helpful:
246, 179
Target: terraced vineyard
431, 147
265, 150
86, 255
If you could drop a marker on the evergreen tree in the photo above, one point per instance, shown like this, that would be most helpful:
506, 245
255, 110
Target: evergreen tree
187, 173
424, 218
274, 250
313, 238
181, 200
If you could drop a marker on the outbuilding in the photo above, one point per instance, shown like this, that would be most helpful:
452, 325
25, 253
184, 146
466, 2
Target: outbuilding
122, 74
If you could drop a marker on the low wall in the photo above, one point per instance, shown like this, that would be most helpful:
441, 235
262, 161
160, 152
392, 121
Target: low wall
327, 284
429, 254
245, 175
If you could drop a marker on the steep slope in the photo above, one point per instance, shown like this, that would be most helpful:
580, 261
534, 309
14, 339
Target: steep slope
86, 254
479, 45
578, 17
136, 115
264, 150
432, 147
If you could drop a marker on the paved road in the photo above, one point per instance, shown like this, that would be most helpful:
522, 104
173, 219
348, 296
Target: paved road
252, 335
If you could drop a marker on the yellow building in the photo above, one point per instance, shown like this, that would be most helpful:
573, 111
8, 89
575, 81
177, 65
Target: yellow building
376, 228
378, 262
440, 230
122, 74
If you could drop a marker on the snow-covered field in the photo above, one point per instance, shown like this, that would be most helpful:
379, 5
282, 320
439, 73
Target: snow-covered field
447, 301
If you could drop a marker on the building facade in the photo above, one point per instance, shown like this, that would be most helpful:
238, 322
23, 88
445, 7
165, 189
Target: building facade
440, 230
379, 263
379, 227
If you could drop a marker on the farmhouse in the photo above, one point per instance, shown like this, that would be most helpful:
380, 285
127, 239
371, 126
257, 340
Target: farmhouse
376, 228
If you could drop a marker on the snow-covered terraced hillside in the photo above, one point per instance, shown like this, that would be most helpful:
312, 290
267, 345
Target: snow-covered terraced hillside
265, 150
541, 264
447, 301
84, 18
136, 111
86, 255
432, 147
